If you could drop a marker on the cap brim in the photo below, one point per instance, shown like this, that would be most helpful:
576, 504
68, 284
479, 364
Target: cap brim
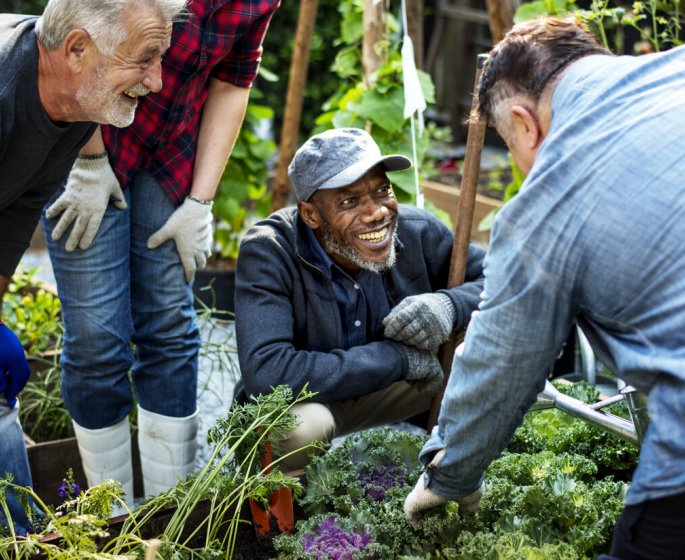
355, 172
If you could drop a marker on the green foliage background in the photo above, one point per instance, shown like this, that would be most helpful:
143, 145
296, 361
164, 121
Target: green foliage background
22, 6
278, 46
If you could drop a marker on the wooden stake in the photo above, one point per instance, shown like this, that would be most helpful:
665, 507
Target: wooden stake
462, 233
293, 102
415, 29
501, 17
373, 33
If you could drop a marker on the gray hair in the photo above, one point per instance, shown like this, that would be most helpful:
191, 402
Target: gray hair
529, 59
102, 19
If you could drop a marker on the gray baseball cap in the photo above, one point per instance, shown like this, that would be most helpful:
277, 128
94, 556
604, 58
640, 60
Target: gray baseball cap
337, 158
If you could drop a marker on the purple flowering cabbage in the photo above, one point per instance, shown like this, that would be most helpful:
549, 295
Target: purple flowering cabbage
330, 542
379, 479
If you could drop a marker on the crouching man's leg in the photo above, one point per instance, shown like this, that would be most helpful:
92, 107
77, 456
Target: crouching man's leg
316, 423
398, 402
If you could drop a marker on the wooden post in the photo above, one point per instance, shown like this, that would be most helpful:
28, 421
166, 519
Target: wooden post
462, 233
293, 101
501, 17
373, 33
415, 28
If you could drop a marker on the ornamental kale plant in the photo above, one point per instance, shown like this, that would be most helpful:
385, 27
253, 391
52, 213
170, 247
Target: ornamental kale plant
542, 501
329, 541
377, 480
379, 461
362, 484
558, 432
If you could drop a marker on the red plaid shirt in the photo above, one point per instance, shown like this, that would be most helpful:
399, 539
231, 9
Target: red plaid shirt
220, 39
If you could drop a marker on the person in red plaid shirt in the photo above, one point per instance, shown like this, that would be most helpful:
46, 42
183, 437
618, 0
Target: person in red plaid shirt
124, 273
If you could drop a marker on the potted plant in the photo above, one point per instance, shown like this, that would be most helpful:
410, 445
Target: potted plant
241, 198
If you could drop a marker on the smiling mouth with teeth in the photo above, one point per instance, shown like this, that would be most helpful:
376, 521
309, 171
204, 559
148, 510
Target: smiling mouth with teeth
374, 237
136, 91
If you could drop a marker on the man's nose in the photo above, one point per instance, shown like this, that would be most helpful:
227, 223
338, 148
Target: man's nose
153, 77
374, 212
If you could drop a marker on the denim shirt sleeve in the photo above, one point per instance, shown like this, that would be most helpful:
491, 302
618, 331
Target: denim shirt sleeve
509, 348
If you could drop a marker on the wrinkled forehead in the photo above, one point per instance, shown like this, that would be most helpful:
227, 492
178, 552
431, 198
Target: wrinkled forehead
147, 32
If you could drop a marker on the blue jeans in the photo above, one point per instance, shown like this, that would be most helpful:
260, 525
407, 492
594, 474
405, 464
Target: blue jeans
126, 308
13, 460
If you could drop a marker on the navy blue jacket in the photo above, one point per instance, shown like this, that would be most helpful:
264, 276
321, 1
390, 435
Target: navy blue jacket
288, 325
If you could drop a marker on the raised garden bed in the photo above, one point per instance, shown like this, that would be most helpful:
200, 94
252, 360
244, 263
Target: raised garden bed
446, 198
554, 494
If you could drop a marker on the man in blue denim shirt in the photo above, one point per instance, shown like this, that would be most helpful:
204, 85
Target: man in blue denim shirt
346, 293
595, 236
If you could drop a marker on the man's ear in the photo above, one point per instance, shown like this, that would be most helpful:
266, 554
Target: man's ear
76, 46
309, 214
526, 128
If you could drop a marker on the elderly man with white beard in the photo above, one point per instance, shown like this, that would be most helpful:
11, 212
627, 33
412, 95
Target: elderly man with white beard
78, 62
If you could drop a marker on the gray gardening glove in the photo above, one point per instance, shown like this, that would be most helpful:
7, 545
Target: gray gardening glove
422, 498
84, 201
190, 227
424, 321
425, 371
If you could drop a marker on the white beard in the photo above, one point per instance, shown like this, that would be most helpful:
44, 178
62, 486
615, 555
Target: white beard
102, 105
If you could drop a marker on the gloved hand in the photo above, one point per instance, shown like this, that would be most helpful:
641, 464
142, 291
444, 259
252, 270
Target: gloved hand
424, 321
84, 201
422, 498
14, 369
425, 370
190, 227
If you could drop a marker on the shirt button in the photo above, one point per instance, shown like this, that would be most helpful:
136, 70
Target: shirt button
356, 286
357, 323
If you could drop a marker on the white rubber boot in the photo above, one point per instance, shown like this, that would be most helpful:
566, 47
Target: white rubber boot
167, 449
106, 454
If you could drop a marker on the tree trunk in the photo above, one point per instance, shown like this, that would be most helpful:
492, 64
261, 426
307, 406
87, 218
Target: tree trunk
501, 16
293, 102
373, 33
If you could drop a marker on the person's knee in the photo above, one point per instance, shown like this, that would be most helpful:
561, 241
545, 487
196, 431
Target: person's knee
316, 423
169, 329
94, 347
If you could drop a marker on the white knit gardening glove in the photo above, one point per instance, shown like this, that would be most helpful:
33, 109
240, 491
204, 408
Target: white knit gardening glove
84, 201
422, 498
190, 227
424, 321
425, 370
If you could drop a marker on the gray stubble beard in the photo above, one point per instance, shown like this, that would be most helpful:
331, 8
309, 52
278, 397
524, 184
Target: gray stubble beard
353, 256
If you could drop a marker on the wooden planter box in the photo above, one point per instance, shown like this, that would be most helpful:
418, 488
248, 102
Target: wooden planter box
249, 543
446, 198
50, 460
